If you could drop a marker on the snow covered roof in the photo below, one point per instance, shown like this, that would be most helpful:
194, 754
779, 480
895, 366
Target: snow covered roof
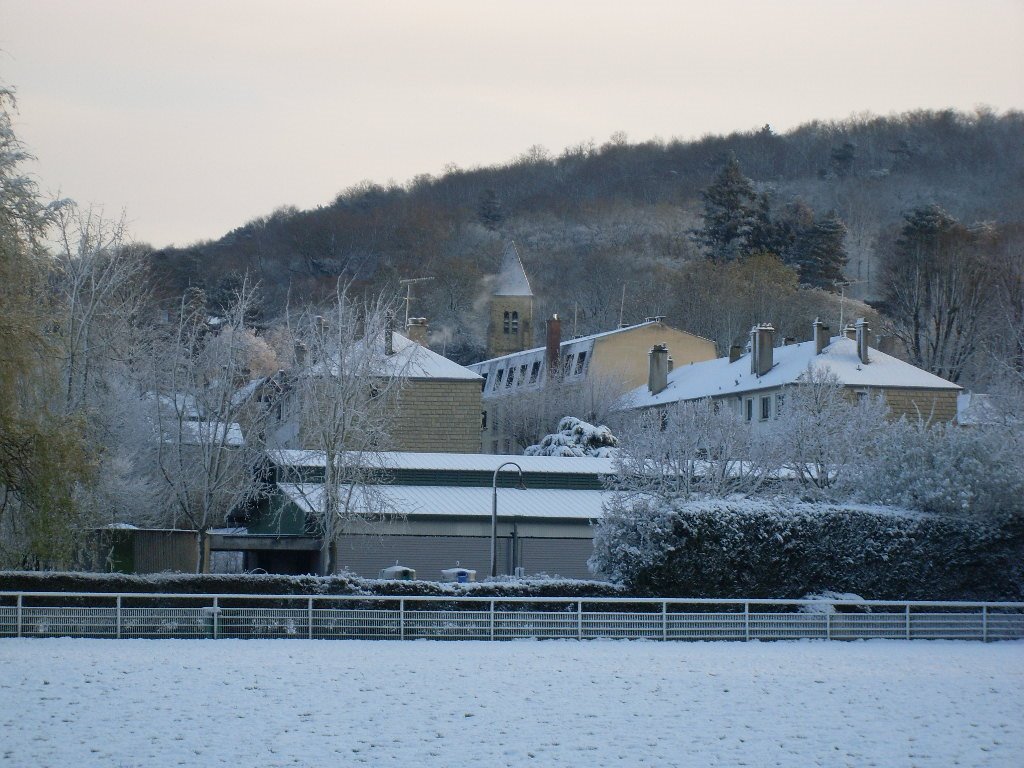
418, 362
567, 345
211, 433
458, 501
717, 378
512, 280
468, 462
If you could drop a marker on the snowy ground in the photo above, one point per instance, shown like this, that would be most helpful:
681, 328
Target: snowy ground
159, 703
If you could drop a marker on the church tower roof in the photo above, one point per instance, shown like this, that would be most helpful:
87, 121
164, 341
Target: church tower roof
512, 280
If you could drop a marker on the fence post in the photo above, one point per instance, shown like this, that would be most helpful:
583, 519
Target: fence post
401, 619
906, 618
579, 619
118, 617
984, 623
746, 621
216, 618
664, 620
492, 619
309, 619
828, 625
19, 614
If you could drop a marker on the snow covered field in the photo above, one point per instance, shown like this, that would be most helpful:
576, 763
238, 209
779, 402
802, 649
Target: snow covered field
159, 703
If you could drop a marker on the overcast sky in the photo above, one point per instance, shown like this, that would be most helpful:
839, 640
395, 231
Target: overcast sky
197, 116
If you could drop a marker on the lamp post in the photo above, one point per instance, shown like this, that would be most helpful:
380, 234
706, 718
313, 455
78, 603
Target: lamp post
494, 512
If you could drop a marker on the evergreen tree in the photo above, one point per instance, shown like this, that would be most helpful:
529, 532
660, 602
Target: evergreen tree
822, 253
731, 214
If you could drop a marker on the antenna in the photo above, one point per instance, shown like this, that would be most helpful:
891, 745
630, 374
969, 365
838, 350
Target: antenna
408, 294
575, 311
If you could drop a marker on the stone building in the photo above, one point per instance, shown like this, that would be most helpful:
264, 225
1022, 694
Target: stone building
754, 381
614, 360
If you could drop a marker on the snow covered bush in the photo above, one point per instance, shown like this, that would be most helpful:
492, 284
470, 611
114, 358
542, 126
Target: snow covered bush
943, 468
576, 438
785, 549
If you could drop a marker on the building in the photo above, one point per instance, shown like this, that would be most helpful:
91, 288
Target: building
617, 360
510, 322
429, 511
754, 381
438, 404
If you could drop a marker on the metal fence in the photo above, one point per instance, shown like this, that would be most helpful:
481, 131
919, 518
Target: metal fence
160, 615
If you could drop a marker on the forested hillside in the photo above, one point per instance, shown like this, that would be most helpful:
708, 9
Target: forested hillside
610, 228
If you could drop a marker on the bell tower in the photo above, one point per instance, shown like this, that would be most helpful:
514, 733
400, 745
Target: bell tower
510, 328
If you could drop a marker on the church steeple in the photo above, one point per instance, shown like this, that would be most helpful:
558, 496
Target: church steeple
511, 316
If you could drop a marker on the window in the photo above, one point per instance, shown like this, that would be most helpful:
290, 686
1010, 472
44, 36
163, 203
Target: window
505, 327
483, 421
662, 420
511, 377
780, 403
535, 372
483, 387
494, 447
716, 407
750, 409
566, 365
581, 361
515, 322
522, 375
497, 379
766, 408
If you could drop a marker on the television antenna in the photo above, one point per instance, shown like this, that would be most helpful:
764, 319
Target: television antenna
408, 293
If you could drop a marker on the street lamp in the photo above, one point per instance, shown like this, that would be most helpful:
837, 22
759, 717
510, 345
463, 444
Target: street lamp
494, 512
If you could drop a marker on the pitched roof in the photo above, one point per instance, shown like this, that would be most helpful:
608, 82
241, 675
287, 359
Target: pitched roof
717, 378
511, 280
415, 361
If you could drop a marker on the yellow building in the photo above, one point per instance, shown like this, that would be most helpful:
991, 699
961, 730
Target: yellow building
616, 360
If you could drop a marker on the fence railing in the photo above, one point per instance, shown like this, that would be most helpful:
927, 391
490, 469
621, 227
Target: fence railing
371, 617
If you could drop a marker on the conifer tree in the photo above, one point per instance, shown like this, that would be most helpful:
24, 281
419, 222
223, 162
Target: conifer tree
731, 209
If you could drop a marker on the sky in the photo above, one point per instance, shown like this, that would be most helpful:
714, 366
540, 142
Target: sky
193, 117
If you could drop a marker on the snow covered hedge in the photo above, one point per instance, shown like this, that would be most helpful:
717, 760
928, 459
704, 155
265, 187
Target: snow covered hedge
787, 549
578, 438
270, 584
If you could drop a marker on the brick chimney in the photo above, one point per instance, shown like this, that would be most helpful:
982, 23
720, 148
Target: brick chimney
762, 342
416, 330
553, 346
735, 353
821, 337
657, 377
389, 330
862, 334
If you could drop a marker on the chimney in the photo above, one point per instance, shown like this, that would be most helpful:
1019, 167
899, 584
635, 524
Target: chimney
850, 332
389, 330
300, 354
735, 353
821, 337
657, 378
671, 363
862, 334
416, 330
553, 345
762, 341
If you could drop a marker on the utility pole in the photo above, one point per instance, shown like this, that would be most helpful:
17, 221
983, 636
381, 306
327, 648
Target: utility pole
408, 294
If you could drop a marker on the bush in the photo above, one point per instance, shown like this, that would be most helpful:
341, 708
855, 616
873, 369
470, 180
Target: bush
786, 549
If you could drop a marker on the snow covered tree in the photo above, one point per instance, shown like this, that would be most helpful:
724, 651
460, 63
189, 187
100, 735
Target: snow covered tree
346, 397
576, 438
821, 436
43, 458
206, 467
731, 208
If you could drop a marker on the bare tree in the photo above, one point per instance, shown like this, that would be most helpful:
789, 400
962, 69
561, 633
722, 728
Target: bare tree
205, 466
346, 397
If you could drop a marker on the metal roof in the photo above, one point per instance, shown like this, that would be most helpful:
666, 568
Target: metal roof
472, 462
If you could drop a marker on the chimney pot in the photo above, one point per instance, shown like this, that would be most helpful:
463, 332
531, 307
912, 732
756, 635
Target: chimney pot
389, 330
553, 345
862, 334
657, 377
416, 330
821, 337
735, 353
